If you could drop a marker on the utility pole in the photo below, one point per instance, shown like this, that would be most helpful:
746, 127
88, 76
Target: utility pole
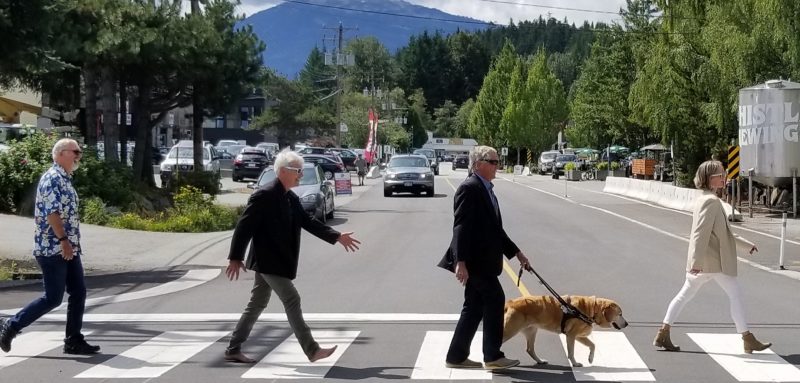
339, 59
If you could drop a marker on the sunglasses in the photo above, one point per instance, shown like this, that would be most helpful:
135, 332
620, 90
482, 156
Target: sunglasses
296, 170
77, 152
493, 162
721, 175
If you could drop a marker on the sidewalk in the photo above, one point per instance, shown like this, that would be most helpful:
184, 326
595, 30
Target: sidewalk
109, 250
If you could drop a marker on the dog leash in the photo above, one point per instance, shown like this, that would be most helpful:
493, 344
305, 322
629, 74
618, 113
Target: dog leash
569, 310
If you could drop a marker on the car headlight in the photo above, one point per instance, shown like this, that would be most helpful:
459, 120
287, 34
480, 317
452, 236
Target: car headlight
309, 198
425, 175
390, 176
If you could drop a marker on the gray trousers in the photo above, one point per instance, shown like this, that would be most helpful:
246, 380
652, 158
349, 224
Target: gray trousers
259, 297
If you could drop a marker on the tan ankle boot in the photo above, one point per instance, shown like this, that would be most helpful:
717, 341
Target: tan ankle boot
752, 344
662, 340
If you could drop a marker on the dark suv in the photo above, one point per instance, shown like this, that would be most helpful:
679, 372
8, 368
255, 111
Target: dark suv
249, 163
461, 162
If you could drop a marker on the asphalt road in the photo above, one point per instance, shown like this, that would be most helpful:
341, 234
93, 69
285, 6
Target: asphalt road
390, 309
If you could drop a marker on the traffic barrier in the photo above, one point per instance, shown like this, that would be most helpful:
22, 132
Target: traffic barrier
661, 194
374, 172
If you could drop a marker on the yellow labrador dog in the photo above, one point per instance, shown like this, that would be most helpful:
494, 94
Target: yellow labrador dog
531, 313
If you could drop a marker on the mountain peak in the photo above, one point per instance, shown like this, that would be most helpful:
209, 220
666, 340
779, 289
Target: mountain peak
291, 29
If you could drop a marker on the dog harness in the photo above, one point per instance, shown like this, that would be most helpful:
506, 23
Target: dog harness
570, 311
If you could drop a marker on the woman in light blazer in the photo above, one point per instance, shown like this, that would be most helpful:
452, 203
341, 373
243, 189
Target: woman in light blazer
712, 255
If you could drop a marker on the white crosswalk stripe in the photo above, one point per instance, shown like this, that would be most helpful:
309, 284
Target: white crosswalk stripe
30, 344
287, 361
153, 358
430, 362
763, 366
615, 359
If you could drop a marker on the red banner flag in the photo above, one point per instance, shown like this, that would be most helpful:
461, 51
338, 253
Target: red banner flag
369, 151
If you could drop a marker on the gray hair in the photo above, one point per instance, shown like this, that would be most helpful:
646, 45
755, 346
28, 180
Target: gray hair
285, 158
62, 145
478, 153
702, 179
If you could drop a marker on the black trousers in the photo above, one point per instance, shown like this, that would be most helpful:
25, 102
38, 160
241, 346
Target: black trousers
483, 300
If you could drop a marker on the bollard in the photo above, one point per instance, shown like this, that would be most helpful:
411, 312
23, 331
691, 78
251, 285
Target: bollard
783, 242
750, 191
565, 187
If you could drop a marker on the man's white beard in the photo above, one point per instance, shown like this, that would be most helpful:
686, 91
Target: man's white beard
75, 166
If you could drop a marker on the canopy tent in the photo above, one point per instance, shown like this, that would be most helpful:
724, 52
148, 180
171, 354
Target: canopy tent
656, 147
586, 152
618, 149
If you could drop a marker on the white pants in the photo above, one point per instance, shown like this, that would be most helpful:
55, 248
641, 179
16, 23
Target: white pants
693, 284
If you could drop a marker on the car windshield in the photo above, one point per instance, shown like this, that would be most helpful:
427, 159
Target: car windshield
548, 156
426, 153
309, 177
408, 162
566, 157
185, 152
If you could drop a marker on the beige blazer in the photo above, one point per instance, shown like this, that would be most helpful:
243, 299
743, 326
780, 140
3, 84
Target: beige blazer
712, 243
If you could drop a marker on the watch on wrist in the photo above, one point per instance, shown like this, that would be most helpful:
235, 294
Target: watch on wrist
62, 239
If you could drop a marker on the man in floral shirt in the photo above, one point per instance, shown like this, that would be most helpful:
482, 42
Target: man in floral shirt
58, 251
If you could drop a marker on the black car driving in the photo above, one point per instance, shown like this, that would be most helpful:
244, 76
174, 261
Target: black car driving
249, 163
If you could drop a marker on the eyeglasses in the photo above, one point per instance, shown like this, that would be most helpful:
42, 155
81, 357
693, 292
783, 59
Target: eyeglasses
493, 162
77, 152
718, 175
296, 170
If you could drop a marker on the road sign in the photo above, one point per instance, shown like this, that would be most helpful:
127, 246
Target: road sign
504, 151
343, 127
733, 162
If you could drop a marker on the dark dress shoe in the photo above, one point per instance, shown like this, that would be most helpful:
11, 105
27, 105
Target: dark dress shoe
7, 334
80, 348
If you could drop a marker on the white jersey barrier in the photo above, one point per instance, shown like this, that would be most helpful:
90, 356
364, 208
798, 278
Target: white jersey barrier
660, 193
374, 172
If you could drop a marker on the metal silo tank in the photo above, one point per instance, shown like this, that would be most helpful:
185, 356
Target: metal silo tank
769, 115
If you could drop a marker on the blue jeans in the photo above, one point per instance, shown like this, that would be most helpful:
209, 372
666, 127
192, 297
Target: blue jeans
58, 275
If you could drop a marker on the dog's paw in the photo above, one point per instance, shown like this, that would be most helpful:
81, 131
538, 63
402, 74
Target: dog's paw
576, 364
542, 361
591, 356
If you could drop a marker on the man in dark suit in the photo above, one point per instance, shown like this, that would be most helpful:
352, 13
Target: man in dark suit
476, 256
272, 219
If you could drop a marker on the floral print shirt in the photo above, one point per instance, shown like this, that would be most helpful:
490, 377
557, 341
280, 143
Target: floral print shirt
55, 194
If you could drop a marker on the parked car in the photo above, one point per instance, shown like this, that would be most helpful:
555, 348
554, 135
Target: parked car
271, 147
314, 150
430, 154
546, 161
348, 157
408, 173
562, 160
249, 163
447, 158
223, 143
328, 163
315, 192
181, 159
461, 162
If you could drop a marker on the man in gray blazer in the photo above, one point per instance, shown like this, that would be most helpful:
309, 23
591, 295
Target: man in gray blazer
272, 220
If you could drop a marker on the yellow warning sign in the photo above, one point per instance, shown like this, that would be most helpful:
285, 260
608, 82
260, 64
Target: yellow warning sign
733, 162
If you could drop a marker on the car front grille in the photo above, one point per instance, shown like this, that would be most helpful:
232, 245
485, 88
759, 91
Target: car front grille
407, 176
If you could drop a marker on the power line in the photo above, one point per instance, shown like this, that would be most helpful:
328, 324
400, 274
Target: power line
552, 7
392, 13
490, 24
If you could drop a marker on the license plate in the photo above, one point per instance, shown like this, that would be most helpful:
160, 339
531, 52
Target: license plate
252, 165
408, 184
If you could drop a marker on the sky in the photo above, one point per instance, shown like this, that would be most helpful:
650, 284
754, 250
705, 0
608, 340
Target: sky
500, 11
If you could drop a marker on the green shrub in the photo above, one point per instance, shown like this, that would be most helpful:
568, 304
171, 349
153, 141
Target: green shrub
615, 165
93, 211
207, 182
569, 166
603, 165
194, 212
111, 182
21, 166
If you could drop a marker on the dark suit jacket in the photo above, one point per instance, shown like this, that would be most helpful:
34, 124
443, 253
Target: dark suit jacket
478, 235
272, 219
